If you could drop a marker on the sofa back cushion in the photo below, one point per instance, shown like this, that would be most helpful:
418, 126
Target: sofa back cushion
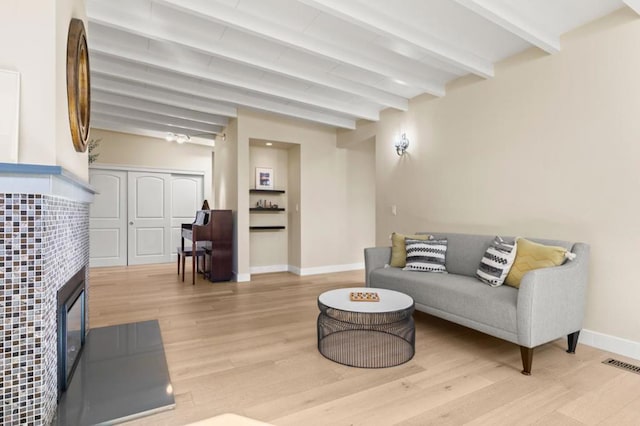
465, 251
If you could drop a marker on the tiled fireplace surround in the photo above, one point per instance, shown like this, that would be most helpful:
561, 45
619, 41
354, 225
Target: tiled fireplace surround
44, 241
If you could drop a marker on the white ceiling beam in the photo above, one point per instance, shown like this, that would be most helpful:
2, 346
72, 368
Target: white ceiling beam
159, 96
633, 4
128, 83
124, 112
147, 124
128, 86
371, 20
228, 16
157, 108
104, 124
513, 23
365, 112
105, 16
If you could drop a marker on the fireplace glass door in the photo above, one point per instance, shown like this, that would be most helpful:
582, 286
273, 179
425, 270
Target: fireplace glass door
71, 327
75, 332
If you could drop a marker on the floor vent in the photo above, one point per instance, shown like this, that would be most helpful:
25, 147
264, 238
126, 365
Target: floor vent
623, 365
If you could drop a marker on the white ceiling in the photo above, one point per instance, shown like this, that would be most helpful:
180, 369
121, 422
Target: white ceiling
186, 66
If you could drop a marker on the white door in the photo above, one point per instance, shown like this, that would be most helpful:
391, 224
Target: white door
186, 199
108, 218
149, 218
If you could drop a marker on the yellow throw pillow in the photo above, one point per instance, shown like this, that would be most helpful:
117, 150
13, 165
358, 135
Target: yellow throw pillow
532, 256
399, 249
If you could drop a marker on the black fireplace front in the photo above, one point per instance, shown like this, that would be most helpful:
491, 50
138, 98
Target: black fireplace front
71, 327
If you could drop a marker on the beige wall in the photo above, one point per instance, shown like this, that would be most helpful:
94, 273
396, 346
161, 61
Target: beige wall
337, 192
268, 248
293, 209
125, 149
33, 42
225, 179
547, 148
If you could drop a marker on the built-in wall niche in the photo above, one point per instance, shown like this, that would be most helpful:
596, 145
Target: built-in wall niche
271, 203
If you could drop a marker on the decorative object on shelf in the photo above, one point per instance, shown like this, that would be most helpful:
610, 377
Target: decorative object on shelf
9, 115
91, 147
401, 144
78, 84
264, 178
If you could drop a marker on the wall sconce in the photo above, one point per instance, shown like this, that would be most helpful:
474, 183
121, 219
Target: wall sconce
401, 144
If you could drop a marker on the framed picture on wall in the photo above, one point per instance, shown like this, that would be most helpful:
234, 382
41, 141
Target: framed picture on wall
264, 178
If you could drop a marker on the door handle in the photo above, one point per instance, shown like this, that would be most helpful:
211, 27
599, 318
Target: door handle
130, 223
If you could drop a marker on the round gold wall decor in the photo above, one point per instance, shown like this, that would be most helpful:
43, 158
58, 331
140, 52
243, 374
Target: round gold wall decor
78, 84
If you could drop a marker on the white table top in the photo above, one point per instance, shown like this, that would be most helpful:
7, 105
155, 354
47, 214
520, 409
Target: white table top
390, 301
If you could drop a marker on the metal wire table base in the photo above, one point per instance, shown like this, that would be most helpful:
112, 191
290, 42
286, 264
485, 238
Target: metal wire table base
366, 340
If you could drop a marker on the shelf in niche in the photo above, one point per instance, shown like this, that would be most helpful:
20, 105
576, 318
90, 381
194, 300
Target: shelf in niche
265, 209
266, 191
266, 228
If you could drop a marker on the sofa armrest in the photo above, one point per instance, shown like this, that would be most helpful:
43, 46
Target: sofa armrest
375, 258
552, 301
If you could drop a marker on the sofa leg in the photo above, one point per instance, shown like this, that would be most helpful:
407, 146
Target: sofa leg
572, 341
527, 359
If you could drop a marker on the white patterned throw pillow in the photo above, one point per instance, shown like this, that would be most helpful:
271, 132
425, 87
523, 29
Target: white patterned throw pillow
426, 255
496, 262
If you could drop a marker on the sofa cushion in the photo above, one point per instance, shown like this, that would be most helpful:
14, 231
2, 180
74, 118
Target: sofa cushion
457, 294
426, 255
398, 248
530, 256
496, 262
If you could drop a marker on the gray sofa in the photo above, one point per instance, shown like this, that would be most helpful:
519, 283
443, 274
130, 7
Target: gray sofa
549, 304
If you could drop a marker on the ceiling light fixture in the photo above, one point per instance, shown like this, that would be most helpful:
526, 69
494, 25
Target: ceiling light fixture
401, 144
182, 138
268, 144
177, 137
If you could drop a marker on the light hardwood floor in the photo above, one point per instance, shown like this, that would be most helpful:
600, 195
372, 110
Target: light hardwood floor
250, 349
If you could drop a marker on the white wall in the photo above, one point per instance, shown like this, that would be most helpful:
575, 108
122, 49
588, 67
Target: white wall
547, 148
33, 41
125, 149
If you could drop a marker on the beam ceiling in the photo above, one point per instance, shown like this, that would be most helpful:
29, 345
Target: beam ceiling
189, 65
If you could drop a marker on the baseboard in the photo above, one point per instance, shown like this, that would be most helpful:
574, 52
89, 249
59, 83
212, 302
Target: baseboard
298, 271
268, 269
241, 278
326, 269
609, 343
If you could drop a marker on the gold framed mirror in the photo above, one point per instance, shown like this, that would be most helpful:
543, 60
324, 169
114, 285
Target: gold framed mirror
78, 84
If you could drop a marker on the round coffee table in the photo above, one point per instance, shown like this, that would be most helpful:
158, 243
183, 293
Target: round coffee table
366, 334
